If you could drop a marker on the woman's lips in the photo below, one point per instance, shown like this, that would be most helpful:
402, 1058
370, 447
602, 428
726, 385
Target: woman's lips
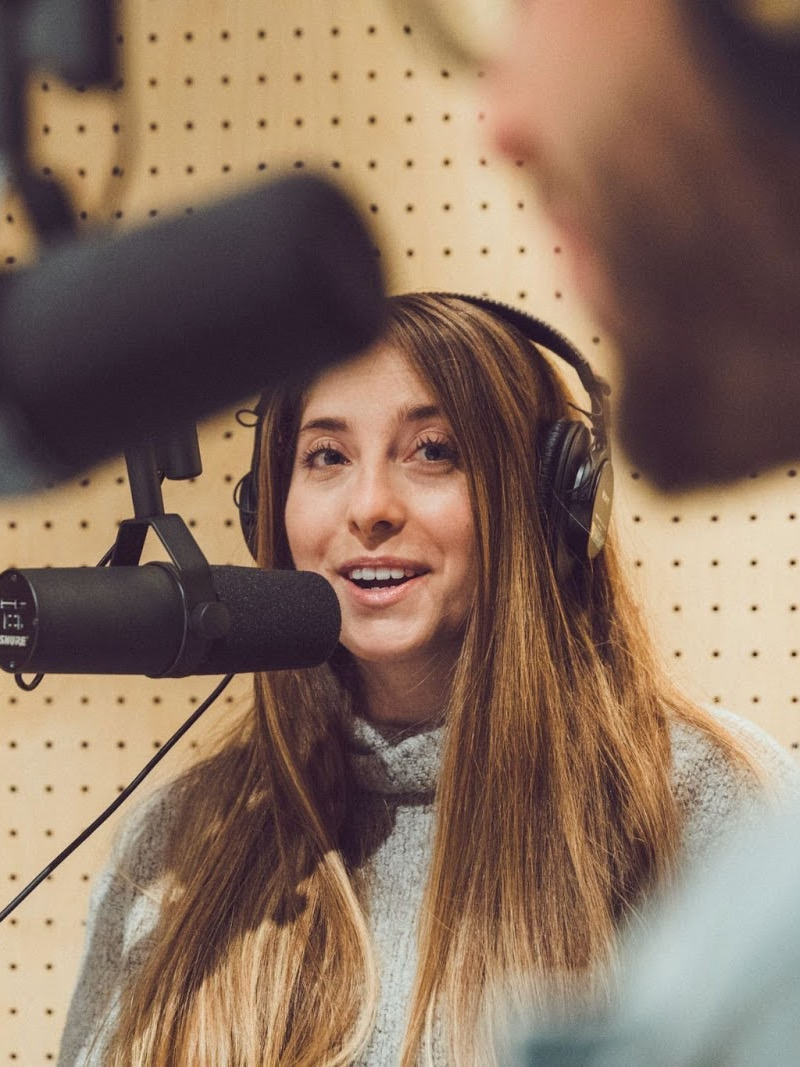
382, 595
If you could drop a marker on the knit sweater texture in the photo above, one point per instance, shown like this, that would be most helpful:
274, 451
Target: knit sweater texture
396, 776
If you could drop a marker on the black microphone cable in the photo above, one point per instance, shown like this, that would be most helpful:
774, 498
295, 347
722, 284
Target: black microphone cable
118, 801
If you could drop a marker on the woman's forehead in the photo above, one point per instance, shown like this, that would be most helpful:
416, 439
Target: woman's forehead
383, 374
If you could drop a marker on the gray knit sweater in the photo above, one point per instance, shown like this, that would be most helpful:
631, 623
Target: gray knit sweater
396, 773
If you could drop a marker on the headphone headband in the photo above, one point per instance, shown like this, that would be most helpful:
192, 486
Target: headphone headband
542, 333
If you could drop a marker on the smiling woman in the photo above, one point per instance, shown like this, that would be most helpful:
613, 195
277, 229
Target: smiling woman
379, 504
456, 816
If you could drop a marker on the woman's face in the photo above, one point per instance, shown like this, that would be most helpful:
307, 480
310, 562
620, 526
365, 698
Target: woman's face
378, 504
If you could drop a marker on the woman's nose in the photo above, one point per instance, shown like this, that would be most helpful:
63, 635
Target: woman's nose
376, 508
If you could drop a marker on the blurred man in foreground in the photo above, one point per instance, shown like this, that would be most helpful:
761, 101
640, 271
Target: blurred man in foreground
664, 140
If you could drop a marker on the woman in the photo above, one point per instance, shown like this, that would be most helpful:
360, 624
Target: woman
304, 897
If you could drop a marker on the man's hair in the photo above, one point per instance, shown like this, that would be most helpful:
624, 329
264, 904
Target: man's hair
758, 45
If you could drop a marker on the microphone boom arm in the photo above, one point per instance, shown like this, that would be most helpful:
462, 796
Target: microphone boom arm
176, 455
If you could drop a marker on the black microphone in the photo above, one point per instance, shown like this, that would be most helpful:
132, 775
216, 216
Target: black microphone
107, 339
134, 620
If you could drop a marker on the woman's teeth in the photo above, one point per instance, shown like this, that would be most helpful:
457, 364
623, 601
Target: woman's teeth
379, 574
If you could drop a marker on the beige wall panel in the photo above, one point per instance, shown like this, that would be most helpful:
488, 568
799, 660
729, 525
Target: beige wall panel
215, 96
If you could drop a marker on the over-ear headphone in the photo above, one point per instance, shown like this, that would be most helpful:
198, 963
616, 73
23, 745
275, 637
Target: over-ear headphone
575, 482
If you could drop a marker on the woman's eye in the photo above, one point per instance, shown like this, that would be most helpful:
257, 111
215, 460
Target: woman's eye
436, 452
317, 458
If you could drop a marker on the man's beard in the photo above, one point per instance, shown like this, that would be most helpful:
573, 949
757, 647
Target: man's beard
700, 290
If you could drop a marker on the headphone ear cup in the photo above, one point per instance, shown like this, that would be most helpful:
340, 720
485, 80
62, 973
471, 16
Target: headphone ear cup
564, 459
246, 498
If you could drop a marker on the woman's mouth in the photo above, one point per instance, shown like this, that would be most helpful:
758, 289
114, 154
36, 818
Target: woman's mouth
380, 577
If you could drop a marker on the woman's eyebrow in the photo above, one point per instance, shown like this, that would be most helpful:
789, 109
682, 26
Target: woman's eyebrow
419, 413
326, 423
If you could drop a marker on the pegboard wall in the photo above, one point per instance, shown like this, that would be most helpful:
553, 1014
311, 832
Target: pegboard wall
213, 96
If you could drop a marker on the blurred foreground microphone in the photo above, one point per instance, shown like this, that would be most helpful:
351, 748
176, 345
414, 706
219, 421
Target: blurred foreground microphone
136, 620
106, 339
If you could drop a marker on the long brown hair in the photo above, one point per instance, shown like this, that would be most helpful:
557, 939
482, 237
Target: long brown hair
554, 811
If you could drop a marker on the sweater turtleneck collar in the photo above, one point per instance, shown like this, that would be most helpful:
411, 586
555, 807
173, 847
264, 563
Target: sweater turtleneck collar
393, 760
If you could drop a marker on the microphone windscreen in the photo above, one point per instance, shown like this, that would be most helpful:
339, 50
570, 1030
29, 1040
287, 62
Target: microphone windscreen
279, 620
